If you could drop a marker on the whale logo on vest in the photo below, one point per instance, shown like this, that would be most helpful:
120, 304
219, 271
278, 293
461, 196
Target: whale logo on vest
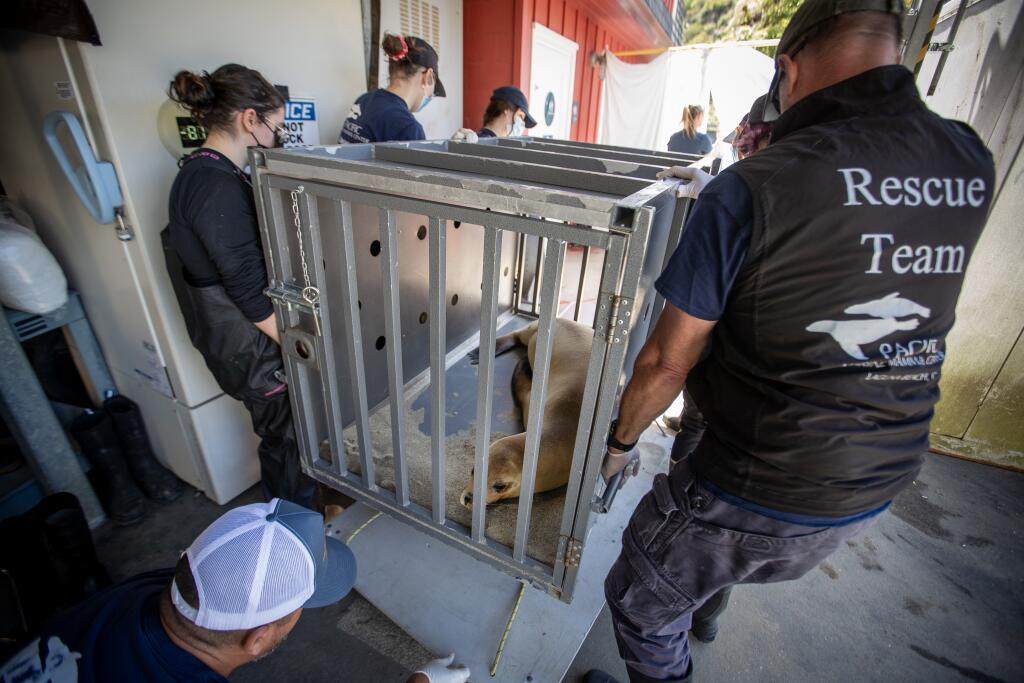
852, 334
889, 306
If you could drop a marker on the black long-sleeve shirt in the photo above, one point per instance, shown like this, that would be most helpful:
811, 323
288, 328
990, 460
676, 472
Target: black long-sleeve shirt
214, 229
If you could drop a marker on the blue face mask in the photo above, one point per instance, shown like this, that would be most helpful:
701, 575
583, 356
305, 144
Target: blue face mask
426, 98
518, 126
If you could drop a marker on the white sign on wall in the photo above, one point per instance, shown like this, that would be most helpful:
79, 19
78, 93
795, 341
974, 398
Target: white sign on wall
300, 122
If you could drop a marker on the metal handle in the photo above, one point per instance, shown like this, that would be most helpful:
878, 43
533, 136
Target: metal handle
604, 503
95, 182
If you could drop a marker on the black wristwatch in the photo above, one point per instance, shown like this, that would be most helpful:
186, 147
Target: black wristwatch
615, 443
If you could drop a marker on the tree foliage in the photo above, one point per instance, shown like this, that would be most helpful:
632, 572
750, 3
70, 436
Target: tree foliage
712, 21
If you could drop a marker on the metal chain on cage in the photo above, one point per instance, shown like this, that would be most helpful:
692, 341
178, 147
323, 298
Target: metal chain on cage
310, 293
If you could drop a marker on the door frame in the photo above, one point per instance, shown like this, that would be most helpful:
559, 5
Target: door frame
559, 43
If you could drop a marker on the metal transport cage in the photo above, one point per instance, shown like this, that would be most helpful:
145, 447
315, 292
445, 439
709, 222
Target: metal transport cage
389, 263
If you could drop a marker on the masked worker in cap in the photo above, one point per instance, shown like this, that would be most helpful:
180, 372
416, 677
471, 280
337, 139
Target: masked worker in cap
199, 621
506, 114
822, 273
215, 261
386, 114
753, 133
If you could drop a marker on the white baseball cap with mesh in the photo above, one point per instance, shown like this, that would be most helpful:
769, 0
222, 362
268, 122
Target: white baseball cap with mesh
260, 562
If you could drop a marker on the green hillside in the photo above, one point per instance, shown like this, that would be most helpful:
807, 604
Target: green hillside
712, 21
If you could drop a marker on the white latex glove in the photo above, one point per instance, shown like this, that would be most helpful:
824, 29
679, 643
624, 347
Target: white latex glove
465, 135
698, 179
441, 670
628, 463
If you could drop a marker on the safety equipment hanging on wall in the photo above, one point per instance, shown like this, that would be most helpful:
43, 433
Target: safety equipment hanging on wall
95, 181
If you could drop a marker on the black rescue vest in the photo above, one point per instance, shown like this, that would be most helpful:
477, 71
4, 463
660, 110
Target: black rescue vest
824, 369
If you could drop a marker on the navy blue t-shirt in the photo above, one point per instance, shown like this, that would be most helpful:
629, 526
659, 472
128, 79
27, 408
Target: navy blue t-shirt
380, 116
486, 133
711, 250
115, 635
700, 143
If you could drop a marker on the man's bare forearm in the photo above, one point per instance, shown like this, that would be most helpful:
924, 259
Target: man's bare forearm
649, 394
659, 373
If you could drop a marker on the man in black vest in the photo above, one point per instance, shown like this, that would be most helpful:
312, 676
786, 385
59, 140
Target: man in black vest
822, 275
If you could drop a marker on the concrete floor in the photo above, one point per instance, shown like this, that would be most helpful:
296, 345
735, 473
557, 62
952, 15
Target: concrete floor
933, 592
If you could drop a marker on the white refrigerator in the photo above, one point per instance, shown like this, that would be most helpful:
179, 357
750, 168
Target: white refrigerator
315, 47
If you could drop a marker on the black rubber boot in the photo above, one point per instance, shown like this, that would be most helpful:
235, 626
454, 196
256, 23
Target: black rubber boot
705, 620
69, 547
121, 498
155, 480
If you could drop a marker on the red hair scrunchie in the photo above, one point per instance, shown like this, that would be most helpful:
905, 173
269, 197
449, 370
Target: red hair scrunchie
405, 50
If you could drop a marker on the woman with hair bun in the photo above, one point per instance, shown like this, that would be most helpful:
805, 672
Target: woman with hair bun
220, 273
386, 114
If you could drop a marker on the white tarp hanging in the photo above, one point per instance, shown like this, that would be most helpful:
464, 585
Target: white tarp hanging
737, 76
625, 87
685, 84
643, 103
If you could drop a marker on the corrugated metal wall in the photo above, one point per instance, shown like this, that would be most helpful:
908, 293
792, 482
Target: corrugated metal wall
497, 46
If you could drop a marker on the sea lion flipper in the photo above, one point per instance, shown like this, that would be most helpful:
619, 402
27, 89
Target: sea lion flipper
522, 383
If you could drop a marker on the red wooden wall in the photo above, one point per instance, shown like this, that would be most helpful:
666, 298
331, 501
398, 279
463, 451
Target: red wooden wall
497, 41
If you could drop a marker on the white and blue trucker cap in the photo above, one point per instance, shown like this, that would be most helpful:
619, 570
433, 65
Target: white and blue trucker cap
260, 562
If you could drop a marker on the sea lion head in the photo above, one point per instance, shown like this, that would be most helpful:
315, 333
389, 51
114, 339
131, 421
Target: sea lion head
504, 472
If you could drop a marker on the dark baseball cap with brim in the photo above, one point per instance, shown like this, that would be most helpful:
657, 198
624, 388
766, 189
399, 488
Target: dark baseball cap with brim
807, 17
335, 565
728, 139
421, 53
513, 95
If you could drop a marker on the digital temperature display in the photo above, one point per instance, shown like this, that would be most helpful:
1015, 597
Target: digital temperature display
190, 132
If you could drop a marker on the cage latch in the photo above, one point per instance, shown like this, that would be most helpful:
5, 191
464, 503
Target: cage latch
292, 298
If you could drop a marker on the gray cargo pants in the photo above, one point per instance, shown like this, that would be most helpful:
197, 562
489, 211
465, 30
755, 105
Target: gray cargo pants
682, 547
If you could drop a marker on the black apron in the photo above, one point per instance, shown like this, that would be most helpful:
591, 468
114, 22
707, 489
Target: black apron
247, 365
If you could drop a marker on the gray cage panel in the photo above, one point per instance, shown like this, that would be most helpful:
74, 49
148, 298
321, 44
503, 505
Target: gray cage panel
450, 224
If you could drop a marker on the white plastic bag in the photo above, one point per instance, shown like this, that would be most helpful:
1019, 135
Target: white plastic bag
31, 280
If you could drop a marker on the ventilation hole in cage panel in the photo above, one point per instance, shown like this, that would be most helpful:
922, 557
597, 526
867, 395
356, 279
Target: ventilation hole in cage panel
422, 232
360, 305
381, 341
375, 248
457, 224
423, 318
302, 349
506, 271
455, 299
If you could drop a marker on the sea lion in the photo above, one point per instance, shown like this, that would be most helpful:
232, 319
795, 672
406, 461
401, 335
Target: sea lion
570, 355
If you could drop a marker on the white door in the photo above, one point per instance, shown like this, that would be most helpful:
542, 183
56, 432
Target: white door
552, 74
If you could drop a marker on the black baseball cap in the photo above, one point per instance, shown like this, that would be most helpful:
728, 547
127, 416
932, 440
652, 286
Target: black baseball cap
421, 53
513, 95
756, 114
808, 16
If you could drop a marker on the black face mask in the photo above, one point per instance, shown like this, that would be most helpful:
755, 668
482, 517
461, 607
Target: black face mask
275, 132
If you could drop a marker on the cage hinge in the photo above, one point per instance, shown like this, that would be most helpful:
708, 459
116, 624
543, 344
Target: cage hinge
573, 551
619, 319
